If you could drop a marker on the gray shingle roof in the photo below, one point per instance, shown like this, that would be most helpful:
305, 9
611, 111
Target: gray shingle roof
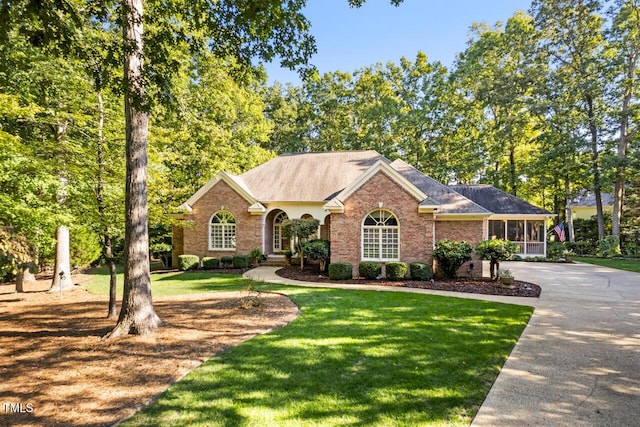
587, 198
449, 201
498, 201
304, 177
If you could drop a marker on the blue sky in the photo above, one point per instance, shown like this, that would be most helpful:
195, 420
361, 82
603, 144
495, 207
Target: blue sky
348, 39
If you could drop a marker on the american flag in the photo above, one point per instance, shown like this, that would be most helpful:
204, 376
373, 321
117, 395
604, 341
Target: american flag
559, 230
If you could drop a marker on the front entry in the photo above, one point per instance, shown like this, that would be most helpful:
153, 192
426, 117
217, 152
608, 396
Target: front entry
280, 243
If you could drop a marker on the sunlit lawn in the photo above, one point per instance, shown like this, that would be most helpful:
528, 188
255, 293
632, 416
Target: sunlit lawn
350, 358
620, 264
174, 283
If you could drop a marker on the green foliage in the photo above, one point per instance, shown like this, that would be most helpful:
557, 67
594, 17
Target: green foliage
256, 255
451, 255
210, 263
369, 270
85, 246
420, 271
299, 230
188, 262
340, 271
317, 250
227, 261
240, 261
496, 250
582, 247
555, 250
396, 270
609, 246
15, 253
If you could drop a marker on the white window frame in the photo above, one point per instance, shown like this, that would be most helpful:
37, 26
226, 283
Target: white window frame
379, 234
277, 230
227, 229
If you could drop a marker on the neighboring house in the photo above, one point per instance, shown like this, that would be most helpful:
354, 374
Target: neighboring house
369, 208
584, 205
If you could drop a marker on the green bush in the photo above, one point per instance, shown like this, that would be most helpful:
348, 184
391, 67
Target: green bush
396, 270
420, 271
340, 271
226, 261
582, 247
555, 250
240, 261
451, 255
369, 270
256, 255
84, 246
188, 262
496, 250
317, 249
609, 246
210, 263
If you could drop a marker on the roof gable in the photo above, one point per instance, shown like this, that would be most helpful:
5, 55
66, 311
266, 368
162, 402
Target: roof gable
384, 167
235, 182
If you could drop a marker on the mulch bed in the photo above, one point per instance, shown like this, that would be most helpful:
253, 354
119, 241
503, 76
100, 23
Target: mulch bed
311, 273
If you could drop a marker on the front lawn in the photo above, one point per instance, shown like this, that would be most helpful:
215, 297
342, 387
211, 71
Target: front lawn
175, 283
350, 358
619, 263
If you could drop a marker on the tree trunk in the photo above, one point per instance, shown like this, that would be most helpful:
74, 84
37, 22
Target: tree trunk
20, 281
568, 214
62, 270
595, 155
112, 290
137, 315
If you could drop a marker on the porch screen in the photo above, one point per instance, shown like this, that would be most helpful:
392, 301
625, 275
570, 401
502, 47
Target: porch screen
380, 237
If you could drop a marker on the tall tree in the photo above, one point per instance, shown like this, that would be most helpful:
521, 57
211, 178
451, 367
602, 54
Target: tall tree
624, 36
572, 39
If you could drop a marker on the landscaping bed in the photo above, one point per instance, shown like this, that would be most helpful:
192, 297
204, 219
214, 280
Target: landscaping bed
311, 273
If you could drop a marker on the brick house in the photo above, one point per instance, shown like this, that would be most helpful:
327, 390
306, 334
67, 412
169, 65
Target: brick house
369, 208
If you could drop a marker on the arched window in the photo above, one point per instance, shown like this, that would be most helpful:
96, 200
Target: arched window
222, 231
380, 237
279, 242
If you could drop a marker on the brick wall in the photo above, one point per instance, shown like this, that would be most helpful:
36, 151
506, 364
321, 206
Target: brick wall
416, 230
248, 227
470, 232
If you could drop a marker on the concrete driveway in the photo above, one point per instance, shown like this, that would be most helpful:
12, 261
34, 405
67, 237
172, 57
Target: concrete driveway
578, 361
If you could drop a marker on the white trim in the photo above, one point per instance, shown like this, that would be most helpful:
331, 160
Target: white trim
334, 206
233, 181
223, 226
393, 174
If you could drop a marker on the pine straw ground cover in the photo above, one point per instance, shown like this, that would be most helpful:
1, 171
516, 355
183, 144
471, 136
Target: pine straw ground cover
55, 369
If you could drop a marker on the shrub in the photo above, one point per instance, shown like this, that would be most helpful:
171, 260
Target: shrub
210, 263
340, 271
240, 261
396, 270
495, 250
451, 255
317, 249
420, 271
581, 247
256, 255
609, 246
555, 250
369, 270
226, 261
188, 262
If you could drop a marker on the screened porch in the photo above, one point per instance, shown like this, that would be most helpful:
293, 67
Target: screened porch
528, 234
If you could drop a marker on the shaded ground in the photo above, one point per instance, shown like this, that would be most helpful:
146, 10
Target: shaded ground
311, 273
55, 369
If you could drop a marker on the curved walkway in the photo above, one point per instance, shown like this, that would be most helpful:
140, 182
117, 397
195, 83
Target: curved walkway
577, 362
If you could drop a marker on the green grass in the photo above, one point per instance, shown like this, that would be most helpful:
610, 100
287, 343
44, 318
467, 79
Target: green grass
620, 264
350, 358
176, 283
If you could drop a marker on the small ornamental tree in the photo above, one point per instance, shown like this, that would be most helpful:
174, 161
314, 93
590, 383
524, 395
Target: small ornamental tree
317, 249
451, 255
496, 250
299, 230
